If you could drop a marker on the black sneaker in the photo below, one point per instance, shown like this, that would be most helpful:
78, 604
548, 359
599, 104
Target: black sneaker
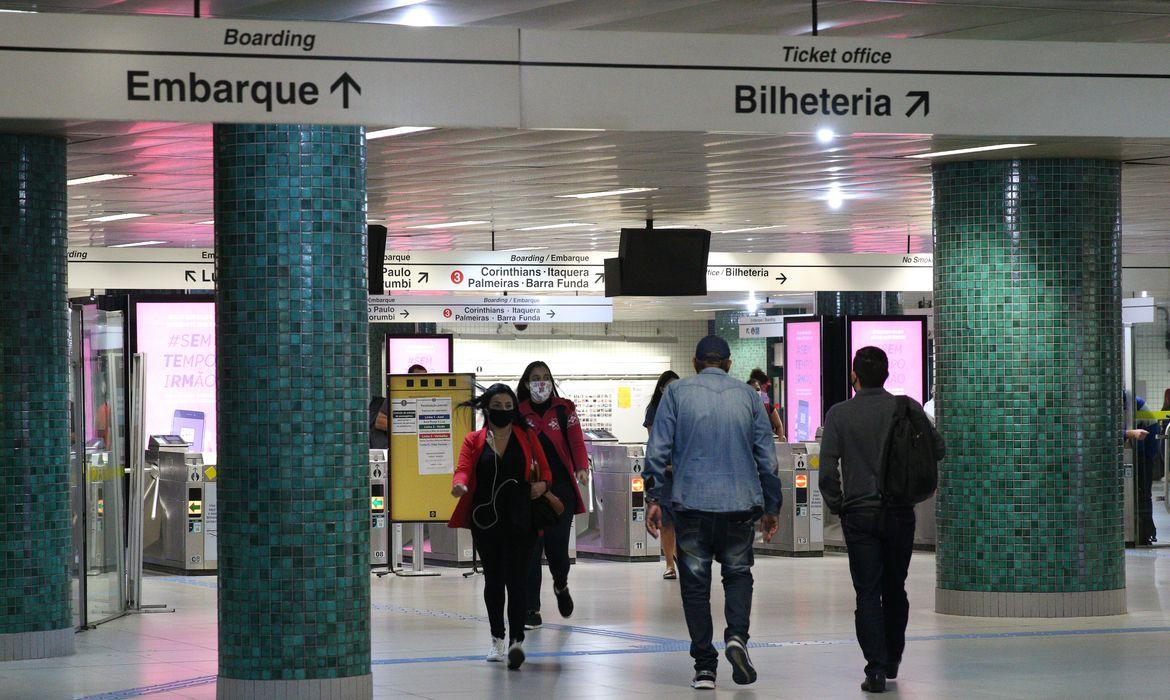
564, 601
533, 621
515, 655
875, 683
742, 670
703, 680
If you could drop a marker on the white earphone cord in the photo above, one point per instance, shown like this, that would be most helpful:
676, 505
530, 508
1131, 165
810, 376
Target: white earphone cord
495, 491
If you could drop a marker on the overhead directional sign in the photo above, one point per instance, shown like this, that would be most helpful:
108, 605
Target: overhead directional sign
425, 308
141, 268
523, 272
62, 68
761, 327
530, 274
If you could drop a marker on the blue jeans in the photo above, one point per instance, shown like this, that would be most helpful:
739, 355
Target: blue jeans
725, 538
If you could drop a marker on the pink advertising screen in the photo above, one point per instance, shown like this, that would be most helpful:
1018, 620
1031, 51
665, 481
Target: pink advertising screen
904, 342
178, 340
432, 352
802, 388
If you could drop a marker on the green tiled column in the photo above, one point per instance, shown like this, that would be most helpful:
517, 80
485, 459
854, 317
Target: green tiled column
1028, 330
35, 536
292, 386
746, 353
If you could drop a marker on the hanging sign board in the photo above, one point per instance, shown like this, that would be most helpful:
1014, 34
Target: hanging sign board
470, 271
751, 327
65, 68
141, 268
490, 309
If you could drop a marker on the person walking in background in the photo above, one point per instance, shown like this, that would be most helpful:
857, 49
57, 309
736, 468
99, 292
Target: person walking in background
553, 420
713, 432
1150, 468
878, 536
763, 385
501, 468
668, 550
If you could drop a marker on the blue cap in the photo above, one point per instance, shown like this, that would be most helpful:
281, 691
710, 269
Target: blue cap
712, 347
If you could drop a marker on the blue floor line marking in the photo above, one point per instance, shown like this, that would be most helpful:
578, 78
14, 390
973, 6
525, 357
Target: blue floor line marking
674, 646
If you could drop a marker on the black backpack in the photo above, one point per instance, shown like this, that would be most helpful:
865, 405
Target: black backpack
910, 466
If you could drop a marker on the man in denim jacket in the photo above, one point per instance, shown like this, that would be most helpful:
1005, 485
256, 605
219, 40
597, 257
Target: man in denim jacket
715, 433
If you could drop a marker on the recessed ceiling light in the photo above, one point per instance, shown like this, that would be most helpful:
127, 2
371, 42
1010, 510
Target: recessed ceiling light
450, 224
608, 193
20, 12
552, 226
975, 149
825, 135
516, 250
418, 17
397, 131
752, 228
835, 198
138, 244
115, 217
96, 178
209, 222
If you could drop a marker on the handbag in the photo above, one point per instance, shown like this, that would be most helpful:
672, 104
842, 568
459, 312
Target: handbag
547, 509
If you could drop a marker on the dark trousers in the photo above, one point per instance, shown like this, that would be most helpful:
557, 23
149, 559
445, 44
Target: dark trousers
880, 543
1144, 468
504, 558
553, 543
727, 539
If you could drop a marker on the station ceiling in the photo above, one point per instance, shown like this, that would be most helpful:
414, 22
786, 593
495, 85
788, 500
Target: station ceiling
757, 192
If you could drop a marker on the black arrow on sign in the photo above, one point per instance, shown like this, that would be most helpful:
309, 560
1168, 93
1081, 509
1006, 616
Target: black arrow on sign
190, 275
423, 277
782, 278
345, 81
552, 314
922, 101
405, 314
600, 277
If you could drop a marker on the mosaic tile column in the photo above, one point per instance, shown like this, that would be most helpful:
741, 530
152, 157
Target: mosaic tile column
1027, 307
292, 386
36, 620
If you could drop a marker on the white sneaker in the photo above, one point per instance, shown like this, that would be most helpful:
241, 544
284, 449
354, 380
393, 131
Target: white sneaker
515, 655
496, 654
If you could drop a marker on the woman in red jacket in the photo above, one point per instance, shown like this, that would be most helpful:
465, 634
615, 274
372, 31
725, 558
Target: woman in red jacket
554, 420
501, 468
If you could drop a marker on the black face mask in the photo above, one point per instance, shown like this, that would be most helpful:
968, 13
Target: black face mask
499, 417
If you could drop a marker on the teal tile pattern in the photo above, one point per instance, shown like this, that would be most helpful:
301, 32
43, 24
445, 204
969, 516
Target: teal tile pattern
35, 537
292, 387
747, 353
1028, 331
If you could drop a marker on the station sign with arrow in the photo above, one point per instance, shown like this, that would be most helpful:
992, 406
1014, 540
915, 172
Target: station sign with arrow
428, 308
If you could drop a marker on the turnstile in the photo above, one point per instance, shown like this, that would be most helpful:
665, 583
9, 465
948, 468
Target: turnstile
379, 532
617, 519
801, 532
180, 519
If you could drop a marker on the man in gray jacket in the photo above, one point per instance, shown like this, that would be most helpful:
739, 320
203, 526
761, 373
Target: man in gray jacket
714, 432
879, 538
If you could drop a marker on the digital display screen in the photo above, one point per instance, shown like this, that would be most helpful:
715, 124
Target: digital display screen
802, 386
904, 341
178, 340
433, 353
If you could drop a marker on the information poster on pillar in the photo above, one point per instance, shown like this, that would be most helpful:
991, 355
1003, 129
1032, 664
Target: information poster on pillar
404, 417
435, 447
802, 390
178, 340
904, 342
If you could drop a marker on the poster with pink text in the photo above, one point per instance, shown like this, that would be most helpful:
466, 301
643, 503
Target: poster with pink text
178, 340
904, 341
802, 388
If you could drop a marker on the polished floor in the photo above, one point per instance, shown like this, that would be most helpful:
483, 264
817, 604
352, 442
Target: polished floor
626, 639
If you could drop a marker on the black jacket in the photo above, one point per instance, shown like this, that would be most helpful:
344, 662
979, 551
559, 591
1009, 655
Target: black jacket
852, 447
